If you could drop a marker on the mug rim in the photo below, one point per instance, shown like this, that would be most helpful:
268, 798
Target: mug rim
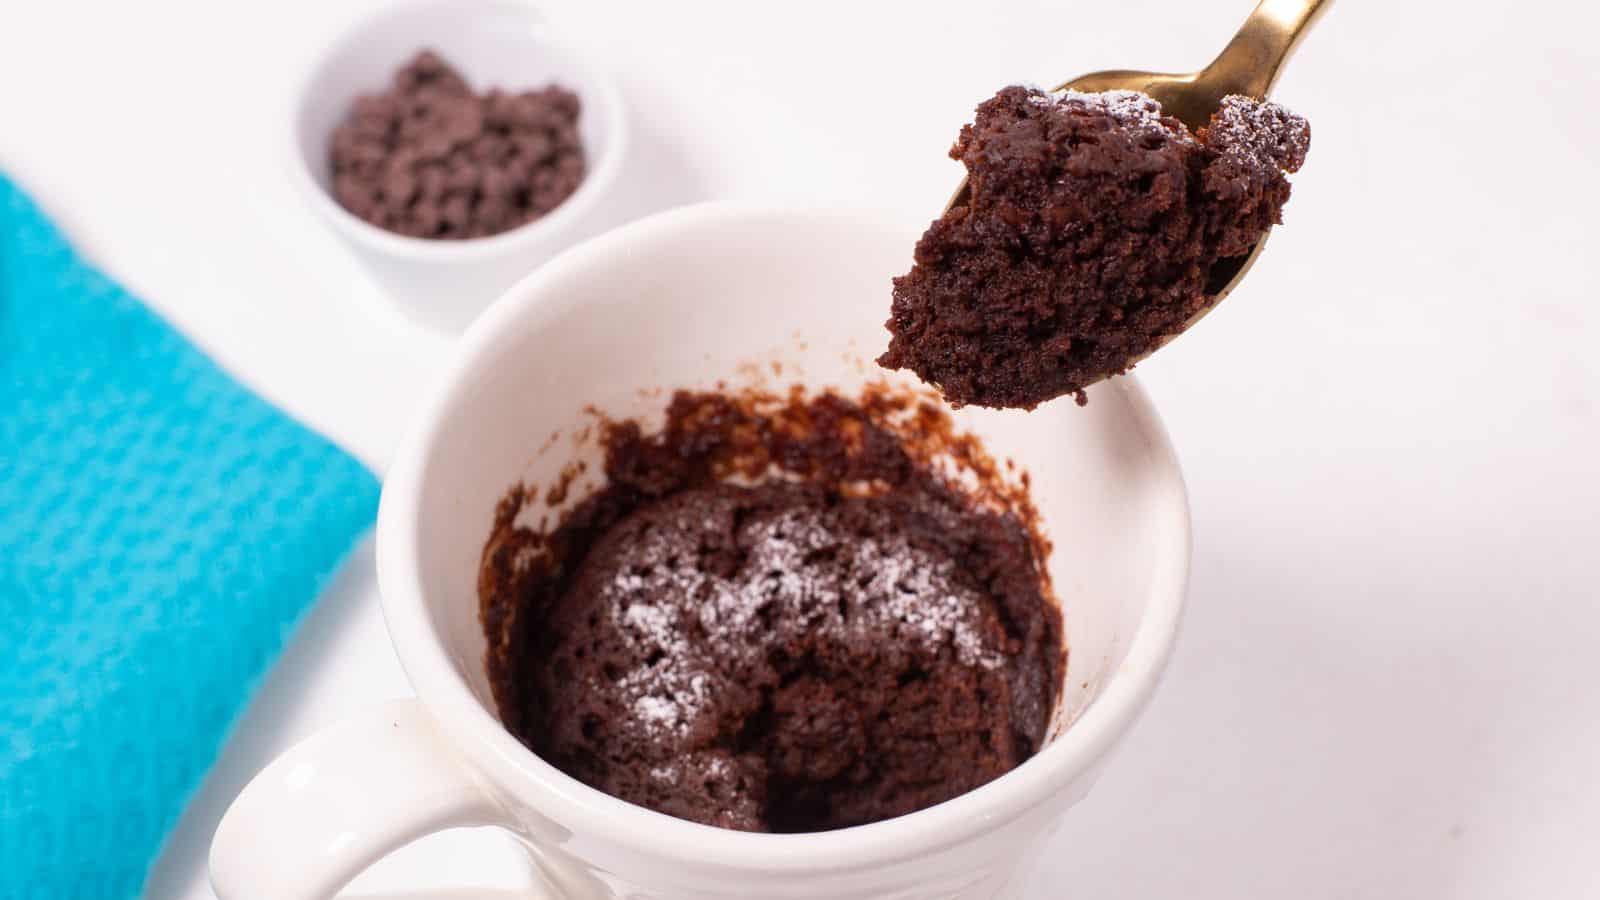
581, 809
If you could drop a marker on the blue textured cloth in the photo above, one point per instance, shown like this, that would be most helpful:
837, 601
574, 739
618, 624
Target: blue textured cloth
162, 529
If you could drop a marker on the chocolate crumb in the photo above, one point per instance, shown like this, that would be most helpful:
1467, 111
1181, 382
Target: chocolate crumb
430, 158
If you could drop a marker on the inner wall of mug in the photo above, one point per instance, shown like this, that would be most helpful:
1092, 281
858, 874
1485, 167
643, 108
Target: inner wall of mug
722, 298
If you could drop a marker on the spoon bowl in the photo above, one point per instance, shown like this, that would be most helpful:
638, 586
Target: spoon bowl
1248, 65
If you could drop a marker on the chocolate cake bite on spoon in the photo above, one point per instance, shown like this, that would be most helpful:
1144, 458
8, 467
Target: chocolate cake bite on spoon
1099, 221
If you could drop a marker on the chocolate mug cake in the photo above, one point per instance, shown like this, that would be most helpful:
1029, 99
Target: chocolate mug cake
775, 616
429, 157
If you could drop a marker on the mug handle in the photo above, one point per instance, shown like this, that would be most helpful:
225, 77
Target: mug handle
332, 805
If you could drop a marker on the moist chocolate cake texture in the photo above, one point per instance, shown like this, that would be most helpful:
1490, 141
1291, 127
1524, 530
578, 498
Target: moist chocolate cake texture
1091, 234
852, 640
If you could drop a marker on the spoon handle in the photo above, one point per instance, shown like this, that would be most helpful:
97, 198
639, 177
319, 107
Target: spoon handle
1252, 60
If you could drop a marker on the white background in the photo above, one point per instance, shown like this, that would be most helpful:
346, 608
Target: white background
1387, 683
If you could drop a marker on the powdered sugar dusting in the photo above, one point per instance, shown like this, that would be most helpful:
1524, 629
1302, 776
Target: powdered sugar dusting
717, 767
1131, 109
891, 588
1259, 134
922, 592
779, 600
656, 710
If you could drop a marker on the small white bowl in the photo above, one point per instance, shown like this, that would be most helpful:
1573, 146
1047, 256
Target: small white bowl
444, 284
690, 298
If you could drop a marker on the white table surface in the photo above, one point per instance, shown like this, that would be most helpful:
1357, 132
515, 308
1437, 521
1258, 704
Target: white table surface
1387, 682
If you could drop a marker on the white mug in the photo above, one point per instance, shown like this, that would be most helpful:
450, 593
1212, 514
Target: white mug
684, 299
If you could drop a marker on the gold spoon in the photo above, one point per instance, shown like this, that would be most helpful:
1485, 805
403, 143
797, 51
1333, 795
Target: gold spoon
1248, 65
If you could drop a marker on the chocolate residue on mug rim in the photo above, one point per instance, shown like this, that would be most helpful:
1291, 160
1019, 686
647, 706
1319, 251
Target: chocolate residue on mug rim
915, 415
